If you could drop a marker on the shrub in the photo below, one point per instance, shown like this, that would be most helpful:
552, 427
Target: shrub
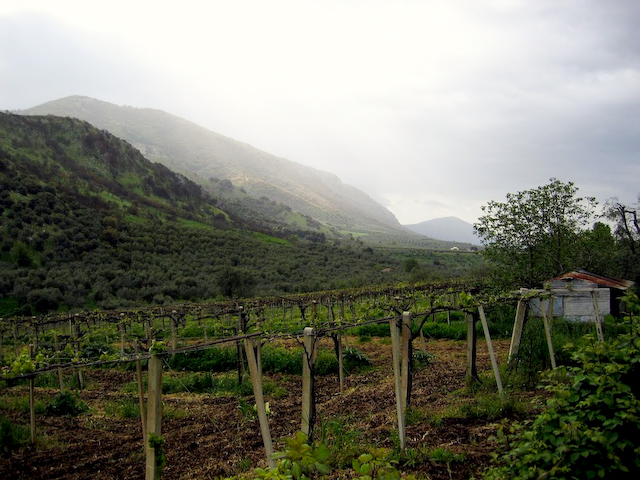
354, 359
591, 424
12, 436
66, 403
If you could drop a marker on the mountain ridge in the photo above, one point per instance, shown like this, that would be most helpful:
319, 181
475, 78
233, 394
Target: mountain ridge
446, 228
203, 155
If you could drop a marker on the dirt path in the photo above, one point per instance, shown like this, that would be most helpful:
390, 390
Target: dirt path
207, 436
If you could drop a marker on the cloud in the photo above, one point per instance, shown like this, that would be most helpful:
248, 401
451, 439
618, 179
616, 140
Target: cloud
433, 108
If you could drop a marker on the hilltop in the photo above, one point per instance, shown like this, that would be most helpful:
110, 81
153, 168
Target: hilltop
210, 159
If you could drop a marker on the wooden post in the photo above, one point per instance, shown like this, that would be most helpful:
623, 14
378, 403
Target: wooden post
256, 382
143, 410
596, 309
405, 368
204, 329
492, 355
472, 370
518, 327
547, 332
35, 336
57, 351
340, 362
32, 402
240, 361
154, 417
423, 341
121, 329
74, 332
308, 404
174, 336
395, 358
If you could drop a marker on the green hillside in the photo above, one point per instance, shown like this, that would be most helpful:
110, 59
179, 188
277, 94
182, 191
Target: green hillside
204, 156
87, 221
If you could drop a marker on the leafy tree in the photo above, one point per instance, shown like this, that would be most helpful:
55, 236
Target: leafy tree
236, 282
535, 234
598, 252
627, 232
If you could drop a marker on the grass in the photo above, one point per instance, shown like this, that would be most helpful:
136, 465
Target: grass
123, 408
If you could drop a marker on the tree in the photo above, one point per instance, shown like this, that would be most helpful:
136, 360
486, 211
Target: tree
627, 232
535, 234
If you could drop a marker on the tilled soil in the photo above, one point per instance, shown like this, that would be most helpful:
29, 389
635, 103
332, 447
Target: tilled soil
208, 436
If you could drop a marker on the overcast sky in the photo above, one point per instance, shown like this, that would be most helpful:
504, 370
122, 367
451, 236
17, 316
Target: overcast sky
432, 107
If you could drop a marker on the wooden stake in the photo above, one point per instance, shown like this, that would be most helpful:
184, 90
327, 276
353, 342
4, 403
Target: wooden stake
174, 337
596, 309
395, 358
74, 332
57, 351
492, 355
154, 416
143, 410
340, 362
405, 368
308, 404
32, 402
547, 332
256, 382
472, 371
518, 327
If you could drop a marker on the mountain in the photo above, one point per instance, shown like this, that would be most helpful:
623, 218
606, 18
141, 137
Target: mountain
208, 157
87, 221
450, 229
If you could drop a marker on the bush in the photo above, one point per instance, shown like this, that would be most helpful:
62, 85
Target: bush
66, 403
591, 424
12, 436
354, 360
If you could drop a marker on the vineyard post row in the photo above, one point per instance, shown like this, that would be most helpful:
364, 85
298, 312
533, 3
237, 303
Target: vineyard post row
401, 346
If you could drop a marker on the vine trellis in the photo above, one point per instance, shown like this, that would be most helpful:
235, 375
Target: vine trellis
306, 318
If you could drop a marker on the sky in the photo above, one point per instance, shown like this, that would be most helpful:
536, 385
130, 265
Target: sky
433, 108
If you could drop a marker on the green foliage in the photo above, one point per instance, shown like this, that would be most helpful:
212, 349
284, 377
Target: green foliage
342, 441
21, 364
206, 383
535, 234
354, 360
156, 442
123, 408
591, 424
422, 359
86, 221
533, 355
491, 406
12, 436
372, 330
454, 331
66, 403
209, 360
299, 461
374, 464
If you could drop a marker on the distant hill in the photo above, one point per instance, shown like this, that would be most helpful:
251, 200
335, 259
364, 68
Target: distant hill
208, 157
86, 221
450, 229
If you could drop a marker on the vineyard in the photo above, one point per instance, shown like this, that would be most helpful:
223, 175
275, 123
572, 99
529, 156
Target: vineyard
227, 383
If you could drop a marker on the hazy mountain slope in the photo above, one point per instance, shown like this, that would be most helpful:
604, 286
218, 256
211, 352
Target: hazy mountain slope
86, 221
202, 154
450, 229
